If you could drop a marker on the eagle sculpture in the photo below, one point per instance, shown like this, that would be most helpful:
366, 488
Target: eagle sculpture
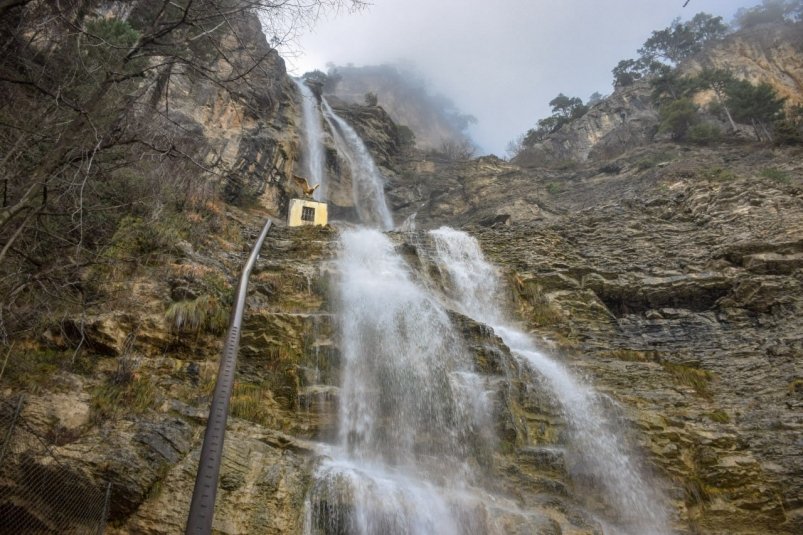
305, 187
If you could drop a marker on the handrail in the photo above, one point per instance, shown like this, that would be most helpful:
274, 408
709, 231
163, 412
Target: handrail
202, 507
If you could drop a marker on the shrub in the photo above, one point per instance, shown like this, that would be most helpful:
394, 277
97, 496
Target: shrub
611, 169
704, 133
202, 314
776, 174
553, 188
677, 117
690, 376
717, 174
406, 136
138, 238
31, 368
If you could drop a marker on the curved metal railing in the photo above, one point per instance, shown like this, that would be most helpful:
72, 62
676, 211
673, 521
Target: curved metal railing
202, 507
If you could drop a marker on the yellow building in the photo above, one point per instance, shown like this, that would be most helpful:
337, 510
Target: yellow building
306, 212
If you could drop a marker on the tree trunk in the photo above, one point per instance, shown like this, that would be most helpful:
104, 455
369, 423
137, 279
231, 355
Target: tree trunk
725, 107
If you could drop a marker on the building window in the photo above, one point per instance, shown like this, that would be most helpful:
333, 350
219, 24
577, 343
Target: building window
307, 213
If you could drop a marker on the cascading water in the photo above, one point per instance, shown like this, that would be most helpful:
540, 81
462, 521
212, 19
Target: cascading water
367, 182
314, 161
414, 418
412, 411
600, 456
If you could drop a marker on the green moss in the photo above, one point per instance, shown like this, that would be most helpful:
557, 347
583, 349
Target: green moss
717, 174
699, 380
719, 416
777, 175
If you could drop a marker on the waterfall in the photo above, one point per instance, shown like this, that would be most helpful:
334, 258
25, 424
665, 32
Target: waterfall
367, 182
414, 418
601, 455
414, 423
313, 137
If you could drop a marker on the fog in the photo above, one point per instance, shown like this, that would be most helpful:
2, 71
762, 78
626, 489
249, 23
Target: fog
503, 60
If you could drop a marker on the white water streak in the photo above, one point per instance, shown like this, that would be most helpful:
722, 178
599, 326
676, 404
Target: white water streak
414, 415
368, 184
314, 155
601, 455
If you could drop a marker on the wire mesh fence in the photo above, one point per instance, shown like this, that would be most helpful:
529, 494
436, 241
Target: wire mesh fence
39, 492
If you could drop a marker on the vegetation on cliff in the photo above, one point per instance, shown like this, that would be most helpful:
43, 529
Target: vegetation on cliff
101, 168
677, 93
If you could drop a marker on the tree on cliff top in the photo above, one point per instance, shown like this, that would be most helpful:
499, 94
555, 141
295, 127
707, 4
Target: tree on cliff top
758, 105
681, 40
668, 47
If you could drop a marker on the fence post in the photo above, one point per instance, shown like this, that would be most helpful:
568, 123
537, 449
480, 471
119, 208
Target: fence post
10, 430
105, 514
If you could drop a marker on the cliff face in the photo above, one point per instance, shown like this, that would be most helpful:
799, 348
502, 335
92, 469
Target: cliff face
248, 129
675, 285
768, 53
626, 119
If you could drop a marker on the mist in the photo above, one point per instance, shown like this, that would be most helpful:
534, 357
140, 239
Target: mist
500, 61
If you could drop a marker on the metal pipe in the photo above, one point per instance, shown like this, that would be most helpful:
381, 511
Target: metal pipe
202, 507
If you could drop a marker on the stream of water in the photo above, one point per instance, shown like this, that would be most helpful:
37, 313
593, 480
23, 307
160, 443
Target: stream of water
601, 458
368, 184
413, 414
314, 155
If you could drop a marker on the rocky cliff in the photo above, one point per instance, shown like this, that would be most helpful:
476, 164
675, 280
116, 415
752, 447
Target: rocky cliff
667, 276
628, 118
768, 53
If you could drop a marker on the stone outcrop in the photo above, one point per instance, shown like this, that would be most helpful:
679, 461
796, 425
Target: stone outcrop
768, 53
406, 99
245, 131
626, 119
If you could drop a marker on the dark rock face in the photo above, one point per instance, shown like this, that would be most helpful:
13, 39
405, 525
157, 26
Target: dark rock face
246, 130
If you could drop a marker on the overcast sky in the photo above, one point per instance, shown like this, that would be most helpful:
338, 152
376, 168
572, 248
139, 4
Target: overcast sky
499, 60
